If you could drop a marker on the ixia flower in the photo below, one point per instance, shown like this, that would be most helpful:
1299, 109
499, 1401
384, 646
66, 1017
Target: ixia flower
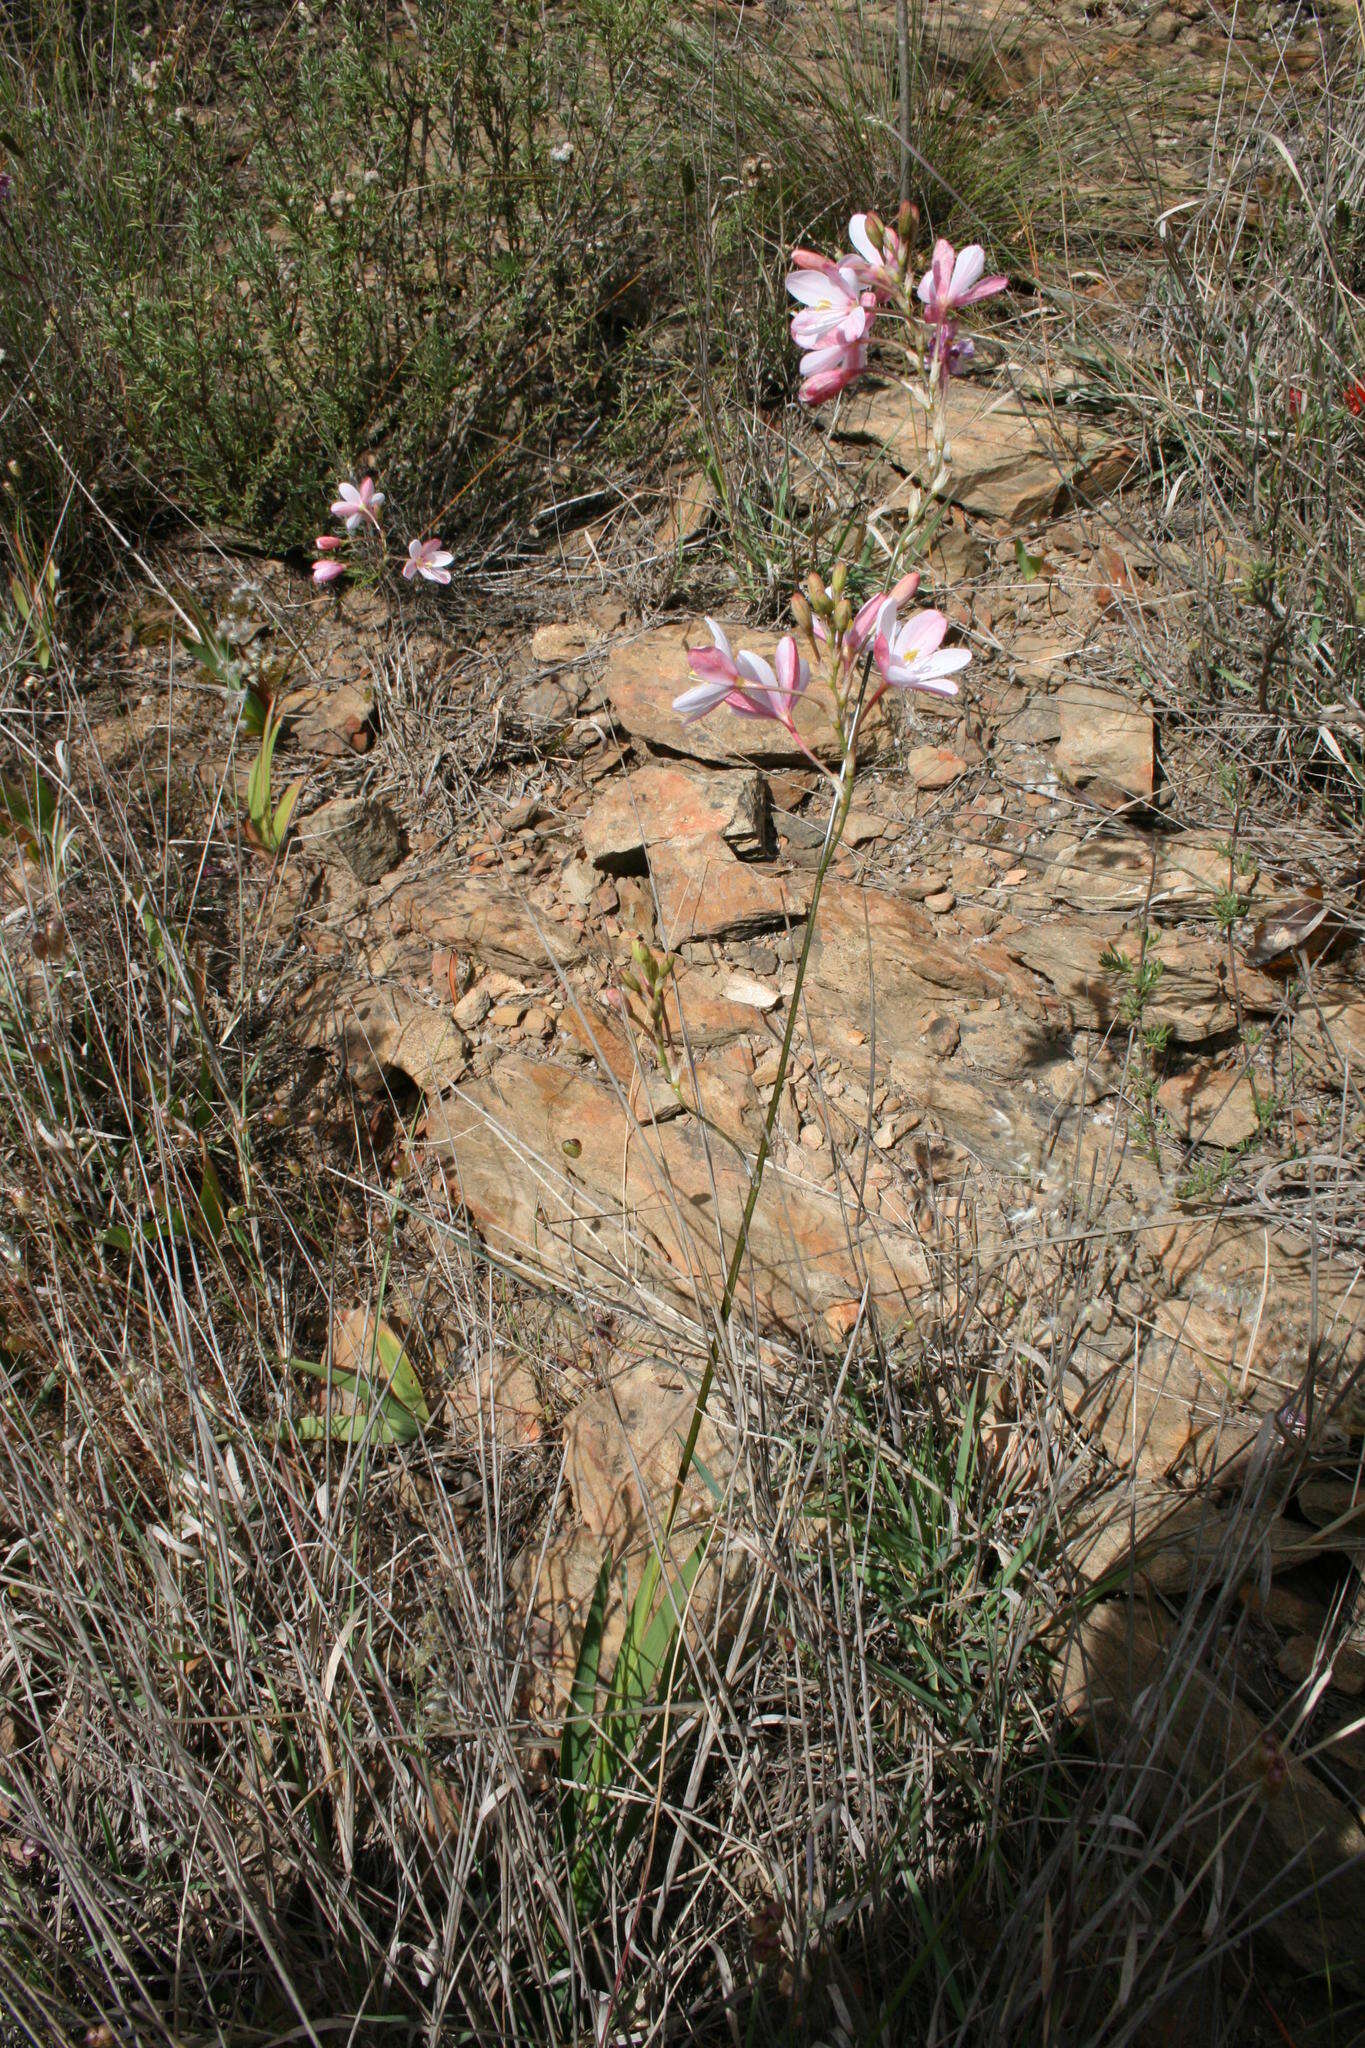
744, 682
881, 254
428, 559
1354, 395
828, 371
949, 350
325, 571
835, 311
954, 279
357, 502
864, 621
911, 656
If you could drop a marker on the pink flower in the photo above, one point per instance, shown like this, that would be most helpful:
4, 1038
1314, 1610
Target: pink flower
834, 310
793, 674
953, 280
949, 349
828, 371
327, 572
912, 656
355, 503
744, 682
428, 559
865, 620
328, 543
882, 268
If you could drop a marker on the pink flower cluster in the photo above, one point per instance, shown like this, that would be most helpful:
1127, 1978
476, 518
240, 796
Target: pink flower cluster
745, 682
838, 301
357, 506
908, 654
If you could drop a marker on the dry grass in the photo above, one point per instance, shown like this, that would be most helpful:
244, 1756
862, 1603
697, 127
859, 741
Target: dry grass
270, 1764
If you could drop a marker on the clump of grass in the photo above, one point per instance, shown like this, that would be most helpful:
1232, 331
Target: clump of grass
267, 1761
481, 247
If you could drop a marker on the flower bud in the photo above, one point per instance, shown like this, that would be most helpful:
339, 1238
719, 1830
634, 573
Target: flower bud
908, 219
838, 579
876, 233
801, 612
843, 615
819, 596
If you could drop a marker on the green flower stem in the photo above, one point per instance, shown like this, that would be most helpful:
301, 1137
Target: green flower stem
833, 836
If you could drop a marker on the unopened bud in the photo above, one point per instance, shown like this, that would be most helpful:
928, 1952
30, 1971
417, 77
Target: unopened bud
819, 596
801, 612
843, 615
876, 234
838, 579
907, 220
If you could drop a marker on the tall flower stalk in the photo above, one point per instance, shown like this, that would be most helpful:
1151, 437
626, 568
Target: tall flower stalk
853, 656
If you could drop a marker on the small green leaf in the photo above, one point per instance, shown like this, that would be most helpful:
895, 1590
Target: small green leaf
1029, 565
576, 1743
211, 1200
284, 812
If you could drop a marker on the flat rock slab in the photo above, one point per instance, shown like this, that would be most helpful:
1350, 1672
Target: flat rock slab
487, 918
644, 675
1107, 746
623, 1446
382, 1031
1006, 461
564, 1182
666, 799
1115, 867
1193, 997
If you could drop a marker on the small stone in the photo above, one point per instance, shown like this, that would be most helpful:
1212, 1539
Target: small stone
978, 919
504, 1015
1013, 878
562, 640
941, 1033
812, 1137
941, 902
537, 1023
892, 1129
934, 767
579, 882
472, 1008
1210, 1106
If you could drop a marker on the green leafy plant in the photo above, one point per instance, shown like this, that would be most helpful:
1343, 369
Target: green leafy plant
269, 821
33, 593
597, 1755
388, 1405
30, 813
